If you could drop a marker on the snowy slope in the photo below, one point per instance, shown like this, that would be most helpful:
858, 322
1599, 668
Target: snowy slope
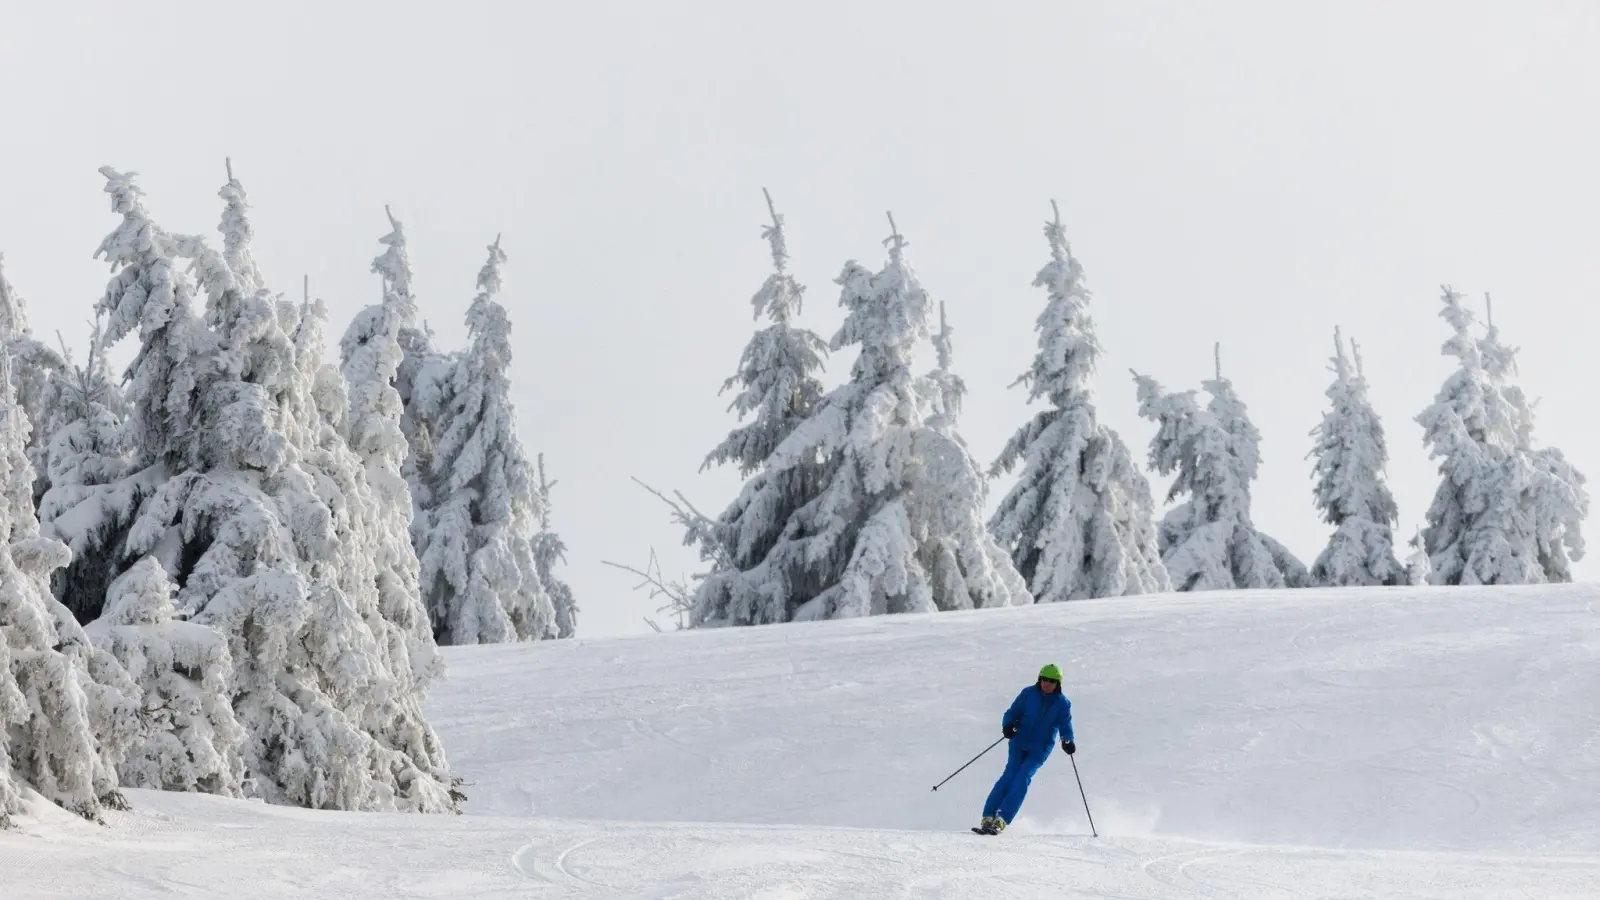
1434, 719
1399, 743
180, 846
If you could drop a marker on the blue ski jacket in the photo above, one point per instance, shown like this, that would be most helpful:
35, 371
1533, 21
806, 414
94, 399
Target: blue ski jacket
1038, 717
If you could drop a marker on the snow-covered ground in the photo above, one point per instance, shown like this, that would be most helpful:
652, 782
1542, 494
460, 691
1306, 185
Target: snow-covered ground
1393, 743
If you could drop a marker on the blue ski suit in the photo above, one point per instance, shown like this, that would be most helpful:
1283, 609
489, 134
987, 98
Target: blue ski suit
1038, 717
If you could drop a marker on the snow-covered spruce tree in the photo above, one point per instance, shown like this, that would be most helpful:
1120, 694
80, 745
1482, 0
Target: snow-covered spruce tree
1350, 492
1556, 498
1080, 521
944, 392
237, 234
896, 524
66, 710
549, 549
479, 574
1418, 568
378, 572
779, 387
422, 378
1208, 541
1505, 512
777, 377
370, 418
38, 372
1471, 434
192, 741
247, 528
951, 388
373, 575
89, 504
103, 469
397, 384
424, 381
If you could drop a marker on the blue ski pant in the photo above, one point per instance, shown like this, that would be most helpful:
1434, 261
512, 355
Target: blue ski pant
1008, 793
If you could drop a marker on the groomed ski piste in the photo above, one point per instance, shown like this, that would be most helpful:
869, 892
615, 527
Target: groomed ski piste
1331, 743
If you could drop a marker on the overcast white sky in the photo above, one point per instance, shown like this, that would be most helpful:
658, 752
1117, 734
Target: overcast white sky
1250, 172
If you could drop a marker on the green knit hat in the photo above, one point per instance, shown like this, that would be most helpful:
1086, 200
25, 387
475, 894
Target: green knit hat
1051, 672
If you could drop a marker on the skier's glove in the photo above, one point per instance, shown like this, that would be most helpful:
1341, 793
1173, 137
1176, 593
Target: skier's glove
1069, 747
1010, 730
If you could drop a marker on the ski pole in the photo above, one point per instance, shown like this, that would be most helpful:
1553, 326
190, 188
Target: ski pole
969, 762
1083, 795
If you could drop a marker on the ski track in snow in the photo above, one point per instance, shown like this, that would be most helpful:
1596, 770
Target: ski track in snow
1380, 743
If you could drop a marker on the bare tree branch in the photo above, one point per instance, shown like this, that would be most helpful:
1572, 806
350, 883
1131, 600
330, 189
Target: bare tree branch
702, 529
680, 599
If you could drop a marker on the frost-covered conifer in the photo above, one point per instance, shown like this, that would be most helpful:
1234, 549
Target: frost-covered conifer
778, 377
421, 378
944, 392
376, 572
384, 425
1556, 499
370, 357
948, 388
191, 740
90, 503
237, 234
364, 408
250, 524
384, 572
424, 382
216, 525
895, 522
37, 372
1417, 566
147, 295
777, 374
1471, 432
103, 468
1505, 511
549, 549
1208, 541
66, 711
1350, 455
479, 574
1079, 522
384, 354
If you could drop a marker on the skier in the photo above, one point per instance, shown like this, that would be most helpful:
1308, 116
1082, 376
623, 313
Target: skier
1031, 724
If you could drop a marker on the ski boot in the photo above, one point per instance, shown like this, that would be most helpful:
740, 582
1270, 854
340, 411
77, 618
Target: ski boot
990, 825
